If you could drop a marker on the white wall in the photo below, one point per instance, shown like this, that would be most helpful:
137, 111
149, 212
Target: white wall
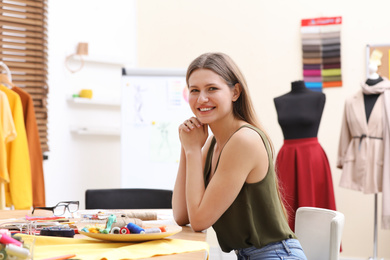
78, 162
263, 37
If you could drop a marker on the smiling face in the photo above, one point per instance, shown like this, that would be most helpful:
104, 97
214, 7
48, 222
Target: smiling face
210, 98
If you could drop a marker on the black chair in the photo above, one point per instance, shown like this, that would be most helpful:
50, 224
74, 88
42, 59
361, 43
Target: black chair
128, 199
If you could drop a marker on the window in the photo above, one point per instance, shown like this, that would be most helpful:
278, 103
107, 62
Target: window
23, 41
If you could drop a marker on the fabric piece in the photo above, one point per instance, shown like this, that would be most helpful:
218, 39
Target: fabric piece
332, 66
311, 72
311, 47
311, 55
331, 47
327, 54
331, 60
91, 249
312, 61
311, 66
331, 84
34, 147
311, 41
19, 190
312, 85
330, 41
304, 176
312, 79
331, 78
331, 72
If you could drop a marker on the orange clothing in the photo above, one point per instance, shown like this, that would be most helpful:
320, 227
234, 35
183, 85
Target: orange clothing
19, 190
34, 147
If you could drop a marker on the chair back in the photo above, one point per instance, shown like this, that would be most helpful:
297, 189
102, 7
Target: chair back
128, 199
319, 231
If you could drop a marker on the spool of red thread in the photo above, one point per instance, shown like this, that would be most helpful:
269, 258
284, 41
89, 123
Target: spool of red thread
124, 230
5, 239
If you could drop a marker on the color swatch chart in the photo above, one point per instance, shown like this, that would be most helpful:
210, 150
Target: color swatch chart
321, 52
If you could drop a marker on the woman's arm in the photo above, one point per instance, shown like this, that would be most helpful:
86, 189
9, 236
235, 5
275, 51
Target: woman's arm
179, 204
244, 157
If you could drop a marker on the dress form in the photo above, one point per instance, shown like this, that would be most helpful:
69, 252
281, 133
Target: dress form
300, 111
373, 79
302, 165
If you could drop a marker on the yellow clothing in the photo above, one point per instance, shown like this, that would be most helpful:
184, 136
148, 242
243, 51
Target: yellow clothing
19, 190
7, 134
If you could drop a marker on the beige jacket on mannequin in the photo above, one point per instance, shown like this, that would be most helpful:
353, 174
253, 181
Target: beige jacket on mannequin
360, 153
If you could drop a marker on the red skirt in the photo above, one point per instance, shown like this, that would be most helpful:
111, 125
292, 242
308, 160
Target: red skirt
304, 176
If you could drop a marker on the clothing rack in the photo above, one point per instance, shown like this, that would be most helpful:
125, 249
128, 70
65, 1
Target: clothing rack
5, 67
374, 257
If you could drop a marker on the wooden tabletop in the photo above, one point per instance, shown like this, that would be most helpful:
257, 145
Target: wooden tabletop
186, 233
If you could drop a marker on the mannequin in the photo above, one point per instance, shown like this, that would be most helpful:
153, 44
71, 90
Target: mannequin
365, 138
373, 79
300, 111
302, 165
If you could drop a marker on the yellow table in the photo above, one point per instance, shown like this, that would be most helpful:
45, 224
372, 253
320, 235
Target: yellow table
187, 233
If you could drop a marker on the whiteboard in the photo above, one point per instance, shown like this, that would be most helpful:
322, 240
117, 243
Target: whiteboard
153, 104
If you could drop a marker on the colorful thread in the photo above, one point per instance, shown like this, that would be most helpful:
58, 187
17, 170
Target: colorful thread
152, 230
111, 219
115, 230
135, 228
124, 230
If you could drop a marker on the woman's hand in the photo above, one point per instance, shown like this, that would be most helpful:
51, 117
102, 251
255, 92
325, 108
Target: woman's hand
193, 134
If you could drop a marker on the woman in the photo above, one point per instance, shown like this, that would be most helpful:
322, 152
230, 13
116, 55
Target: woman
228, 180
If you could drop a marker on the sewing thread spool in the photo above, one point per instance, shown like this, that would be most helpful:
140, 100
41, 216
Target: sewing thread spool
162, 228
115, 230
152, 230
135, 228
13, 250
124, 230
5, 239
3, 254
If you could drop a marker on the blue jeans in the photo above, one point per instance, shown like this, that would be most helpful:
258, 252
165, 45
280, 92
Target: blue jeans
286, 249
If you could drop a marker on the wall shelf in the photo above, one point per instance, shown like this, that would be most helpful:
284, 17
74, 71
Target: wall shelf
101, 102
92, 59
95, 130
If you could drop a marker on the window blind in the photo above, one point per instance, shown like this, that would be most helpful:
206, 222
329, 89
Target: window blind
23, 48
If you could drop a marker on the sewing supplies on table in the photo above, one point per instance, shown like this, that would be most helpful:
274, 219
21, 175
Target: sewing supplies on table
122, 225
13, 248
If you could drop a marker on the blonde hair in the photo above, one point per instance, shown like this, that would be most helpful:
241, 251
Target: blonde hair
243, 108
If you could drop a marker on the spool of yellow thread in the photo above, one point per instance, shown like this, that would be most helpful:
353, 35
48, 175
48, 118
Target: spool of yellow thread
86, 93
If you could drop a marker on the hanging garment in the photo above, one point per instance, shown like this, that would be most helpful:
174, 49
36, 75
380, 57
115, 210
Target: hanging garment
360, 153
386, 163
383, 88
304, 176
34, 146
7, 134
19, 190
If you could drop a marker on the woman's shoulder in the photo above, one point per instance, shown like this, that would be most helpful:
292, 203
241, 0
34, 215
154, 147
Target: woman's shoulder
247, 135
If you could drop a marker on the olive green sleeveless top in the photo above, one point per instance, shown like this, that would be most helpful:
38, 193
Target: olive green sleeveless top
256, 217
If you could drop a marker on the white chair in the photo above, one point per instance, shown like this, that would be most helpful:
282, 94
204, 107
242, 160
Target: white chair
319, 232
